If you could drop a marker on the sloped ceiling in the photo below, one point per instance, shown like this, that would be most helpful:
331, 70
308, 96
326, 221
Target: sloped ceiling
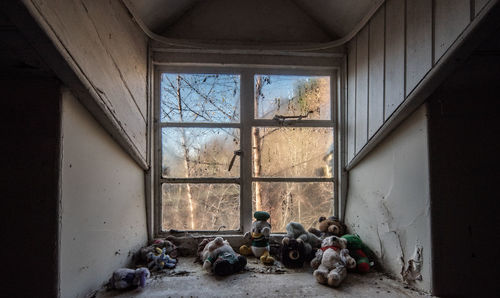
333, 18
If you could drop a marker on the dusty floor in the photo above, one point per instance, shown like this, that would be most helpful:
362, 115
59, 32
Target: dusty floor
189, 280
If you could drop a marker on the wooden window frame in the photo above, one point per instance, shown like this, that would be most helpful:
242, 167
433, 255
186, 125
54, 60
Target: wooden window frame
247, 122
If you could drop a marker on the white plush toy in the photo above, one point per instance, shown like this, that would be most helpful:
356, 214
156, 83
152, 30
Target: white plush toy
218, 256
332, 261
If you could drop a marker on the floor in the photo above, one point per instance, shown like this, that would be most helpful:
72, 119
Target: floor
190, 280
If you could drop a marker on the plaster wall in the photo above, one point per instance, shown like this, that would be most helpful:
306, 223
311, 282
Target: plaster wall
388, 201
103, 214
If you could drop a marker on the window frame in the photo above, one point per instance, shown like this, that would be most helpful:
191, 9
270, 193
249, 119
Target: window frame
247, 121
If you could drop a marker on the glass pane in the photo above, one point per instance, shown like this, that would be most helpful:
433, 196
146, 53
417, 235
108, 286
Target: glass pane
199, 152
203, 207
292, 96
302, 202
292, 152
200, 97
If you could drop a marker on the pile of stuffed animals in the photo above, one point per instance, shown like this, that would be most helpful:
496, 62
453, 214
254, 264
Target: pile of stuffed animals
160, 255
330, 251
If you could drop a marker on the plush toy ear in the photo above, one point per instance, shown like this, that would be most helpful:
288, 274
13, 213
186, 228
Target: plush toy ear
321, 219
343, 241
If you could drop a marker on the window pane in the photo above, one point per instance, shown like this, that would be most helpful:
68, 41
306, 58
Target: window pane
200, 98
199, 152
204, 207
292, 96
302, 202
292, 152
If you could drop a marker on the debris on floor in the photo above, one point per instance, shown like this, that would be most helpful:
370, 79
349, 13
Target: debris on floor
189, 279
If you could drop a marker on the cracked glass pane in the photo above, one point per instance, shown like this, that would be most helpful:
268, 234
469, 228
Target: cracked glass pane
288, 95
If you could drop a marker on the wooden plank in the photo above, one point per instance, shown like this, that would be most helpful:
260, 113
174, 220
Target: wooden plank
72, 28
418, 41
376, 73
351, 99
479, 5
451, 17
115, 29
362, 89
395, 55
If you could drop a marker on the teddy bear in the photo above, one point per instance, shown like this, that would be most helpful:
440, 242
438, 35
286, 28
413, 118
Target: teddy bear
160, 260
310, 241
218, 256
359, 251
293, 253
332, 261
124, 278
330, 226
259, 235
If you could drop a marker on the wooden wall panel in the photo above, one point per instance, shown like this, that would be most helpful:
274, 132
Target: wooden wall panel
351, 98
362, 88
376, 73
395, 53
450, 17
127, 46
104, 48
479, 4
418, 41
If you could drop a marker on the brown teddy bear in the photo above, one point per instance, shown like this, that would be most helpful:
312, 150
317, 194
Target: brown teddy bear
330, 226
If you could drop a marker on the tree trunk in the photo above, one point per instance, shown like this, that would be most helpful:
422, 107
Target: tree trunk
185, 149
256, 152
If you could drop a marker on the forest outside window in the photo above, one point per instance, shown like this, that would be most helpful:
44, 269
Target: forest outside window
225, 151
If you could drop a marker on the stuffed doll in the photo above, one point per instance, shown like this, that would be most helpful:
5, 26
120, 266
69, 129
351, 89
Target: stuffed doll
298, 245
261, 230
359, 251
218, 256
125, 278
160, 260
330, 226
332, 261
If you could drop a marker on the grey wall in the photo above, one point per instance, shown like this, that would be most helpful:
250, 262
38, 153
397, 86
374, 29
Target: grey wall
30, 185
103, 215
390, 57
388, 202
464, 138
248, 21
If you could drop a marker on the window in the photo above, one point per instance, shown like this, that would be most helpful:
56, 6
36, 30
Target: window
230, 142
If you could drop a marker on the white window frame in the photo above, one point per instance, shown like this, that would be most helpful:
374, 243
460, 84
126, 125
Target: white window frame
247, 122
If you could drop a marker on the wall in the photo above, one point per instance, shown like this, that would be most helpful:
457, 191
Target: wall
464, 139
30, 185
103, 215
248, 21
388, 201
97, 50
393, 53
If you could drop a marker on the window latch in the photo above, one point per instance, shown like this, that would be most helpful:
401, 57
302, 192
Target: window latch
237, 152
281, 119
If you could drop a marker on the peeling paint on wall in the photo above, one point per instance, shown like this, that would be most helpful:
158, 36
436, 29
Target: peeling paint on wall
388, 203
